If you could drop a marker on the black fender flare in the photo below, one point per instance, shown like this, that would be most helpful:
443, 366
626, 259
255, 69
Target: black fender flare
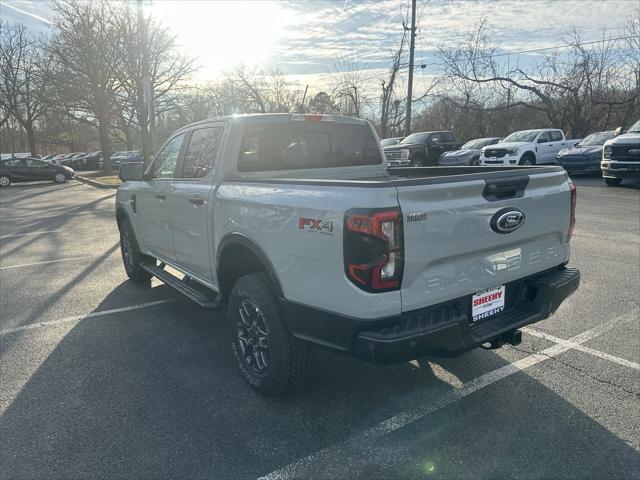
241, 239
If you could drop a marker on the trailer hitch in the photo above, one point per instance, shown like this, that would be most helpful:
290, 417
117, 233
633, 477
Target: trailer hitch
512, 337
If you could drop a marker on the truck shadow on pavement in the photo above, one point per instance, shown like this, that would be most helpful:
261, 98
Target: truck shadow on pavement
156, 393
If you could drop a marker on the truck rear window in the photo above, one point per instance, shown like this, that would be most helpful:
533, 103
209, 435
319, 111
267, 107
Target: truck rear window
292, 145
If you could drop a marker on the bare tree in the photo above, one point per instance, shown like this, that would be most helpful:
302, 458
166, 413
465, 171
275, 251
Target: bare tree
389, 102
86, 49
580, 88
24, 79
150, 51
349, 90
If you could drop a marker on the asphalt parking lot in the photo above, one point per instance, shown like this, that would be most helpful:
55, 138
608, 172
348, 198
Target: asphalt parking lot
102, 378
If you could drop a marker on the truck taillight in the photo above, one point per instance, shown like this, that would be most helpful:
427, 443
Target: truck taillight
572, 221
373, 248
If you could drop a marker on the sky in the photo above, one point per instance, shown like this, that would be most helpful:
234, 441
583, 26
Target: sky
306, 38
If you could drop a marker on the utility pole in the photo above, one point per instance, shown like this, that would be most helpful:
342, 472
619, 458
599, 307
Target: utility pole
412, 46
148, 113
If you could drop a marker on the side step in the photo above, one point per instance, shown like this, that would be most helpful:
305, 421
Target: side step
212, 300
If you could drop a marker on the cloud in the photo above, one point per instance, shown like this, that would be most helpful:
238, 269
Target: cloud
306, 38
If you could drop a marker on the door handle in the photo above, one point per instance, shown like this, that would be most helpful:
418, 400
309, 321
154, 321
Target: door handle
196, 200
161, 196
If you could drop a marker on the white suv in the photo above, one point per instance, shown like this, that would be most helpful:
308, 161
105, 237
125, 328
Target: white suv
526, 147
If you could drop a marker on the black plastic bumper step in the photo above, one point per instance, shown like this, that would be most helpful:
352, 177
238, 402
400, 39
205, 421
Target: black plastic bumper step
206, 300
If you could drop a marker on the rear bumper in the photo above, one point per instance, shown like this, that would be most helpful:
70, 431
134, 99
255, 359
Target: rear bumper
440, 330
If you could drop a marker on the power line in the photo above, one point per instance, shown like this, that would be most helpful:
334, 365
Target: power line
556, 47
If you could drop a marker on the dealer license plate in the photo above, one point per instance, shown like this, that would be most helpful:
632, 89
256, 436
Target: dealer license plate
487, 303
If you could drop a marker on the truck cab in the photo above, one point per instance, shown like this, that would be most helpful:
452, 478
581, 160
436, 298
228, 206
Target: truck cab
421, 149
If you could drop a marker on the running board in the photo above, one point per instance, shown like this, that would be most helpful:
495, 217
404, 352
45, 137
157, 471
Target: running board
201, 298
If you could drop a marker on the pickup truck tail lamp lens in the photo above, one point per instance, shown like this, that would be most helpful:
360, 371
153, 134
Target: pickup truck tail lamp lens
374, 249
572, 221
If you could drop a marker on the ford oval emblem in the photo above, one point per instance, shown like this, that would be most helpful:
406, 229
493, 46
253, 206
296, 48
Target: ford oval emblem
507, 220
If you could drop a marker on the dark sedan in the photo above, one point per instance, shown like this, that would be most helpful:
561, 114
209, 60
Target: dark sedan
30, 170
469, 153
586, 156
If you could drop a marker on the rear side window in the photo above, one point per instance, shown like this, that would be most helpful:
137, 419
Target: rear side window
201, 153
16, 162
556, 136
293, 145
449, 137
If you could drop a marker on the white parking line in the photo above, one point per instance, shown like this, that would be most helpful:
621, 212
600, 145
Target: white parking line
98, 210
400, 420
582, 348
30, 233
70, 259
82, 317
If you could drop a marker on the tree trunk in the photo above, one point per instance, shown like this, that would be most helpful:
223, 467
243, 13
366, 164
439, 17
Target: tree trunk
31, 138
105, 143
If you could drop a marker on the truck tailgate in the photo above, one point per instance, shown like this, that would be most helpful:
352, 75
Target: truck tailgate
451, 249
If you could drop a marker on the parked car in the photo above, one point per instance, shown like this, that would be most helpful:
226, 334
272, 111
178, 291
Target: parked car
94, 161
66, 160
621, 157
30, 169
119, 158
585, 157
46, 158
421, 149
469, 153
77, 162
387, 142
526, 147
58, 158
295, 225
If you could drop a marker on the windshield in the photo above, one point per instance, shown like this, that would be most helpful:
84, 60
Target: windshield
415, 138
597, 139
522, 136
635, 128
292, 145
478, 143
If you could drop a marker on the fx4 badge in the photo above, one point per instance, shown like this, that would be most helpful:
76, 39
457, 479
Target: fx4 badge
315, 225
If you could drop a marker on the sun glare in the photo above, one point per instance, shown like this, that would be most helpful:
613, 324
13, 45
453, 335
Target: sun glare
224, 34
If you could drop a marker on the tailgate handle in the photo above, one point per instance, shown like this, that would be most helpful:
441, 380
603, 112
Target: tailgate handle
505, 188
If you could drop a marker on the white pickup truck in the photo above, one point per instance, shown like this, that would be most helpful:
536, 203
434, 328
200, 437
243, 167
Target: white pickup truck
294, 224
526, 147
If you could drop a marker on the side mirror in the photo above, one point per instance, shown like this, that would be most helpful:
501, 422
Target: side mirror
131, 171
619, 131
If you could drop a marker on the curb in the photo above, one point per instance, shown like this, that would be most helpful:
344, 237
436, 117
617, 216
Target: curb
95, 183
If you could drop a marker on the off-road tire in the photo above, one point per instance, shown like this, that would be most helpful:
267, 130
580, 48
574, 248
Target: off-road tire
287, 355
132, 258
612, 182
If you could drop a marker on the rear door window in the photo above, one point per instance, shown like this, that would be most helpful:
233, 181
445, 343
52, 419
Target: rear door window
16, 162
201, 153
556, 136
294, 145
